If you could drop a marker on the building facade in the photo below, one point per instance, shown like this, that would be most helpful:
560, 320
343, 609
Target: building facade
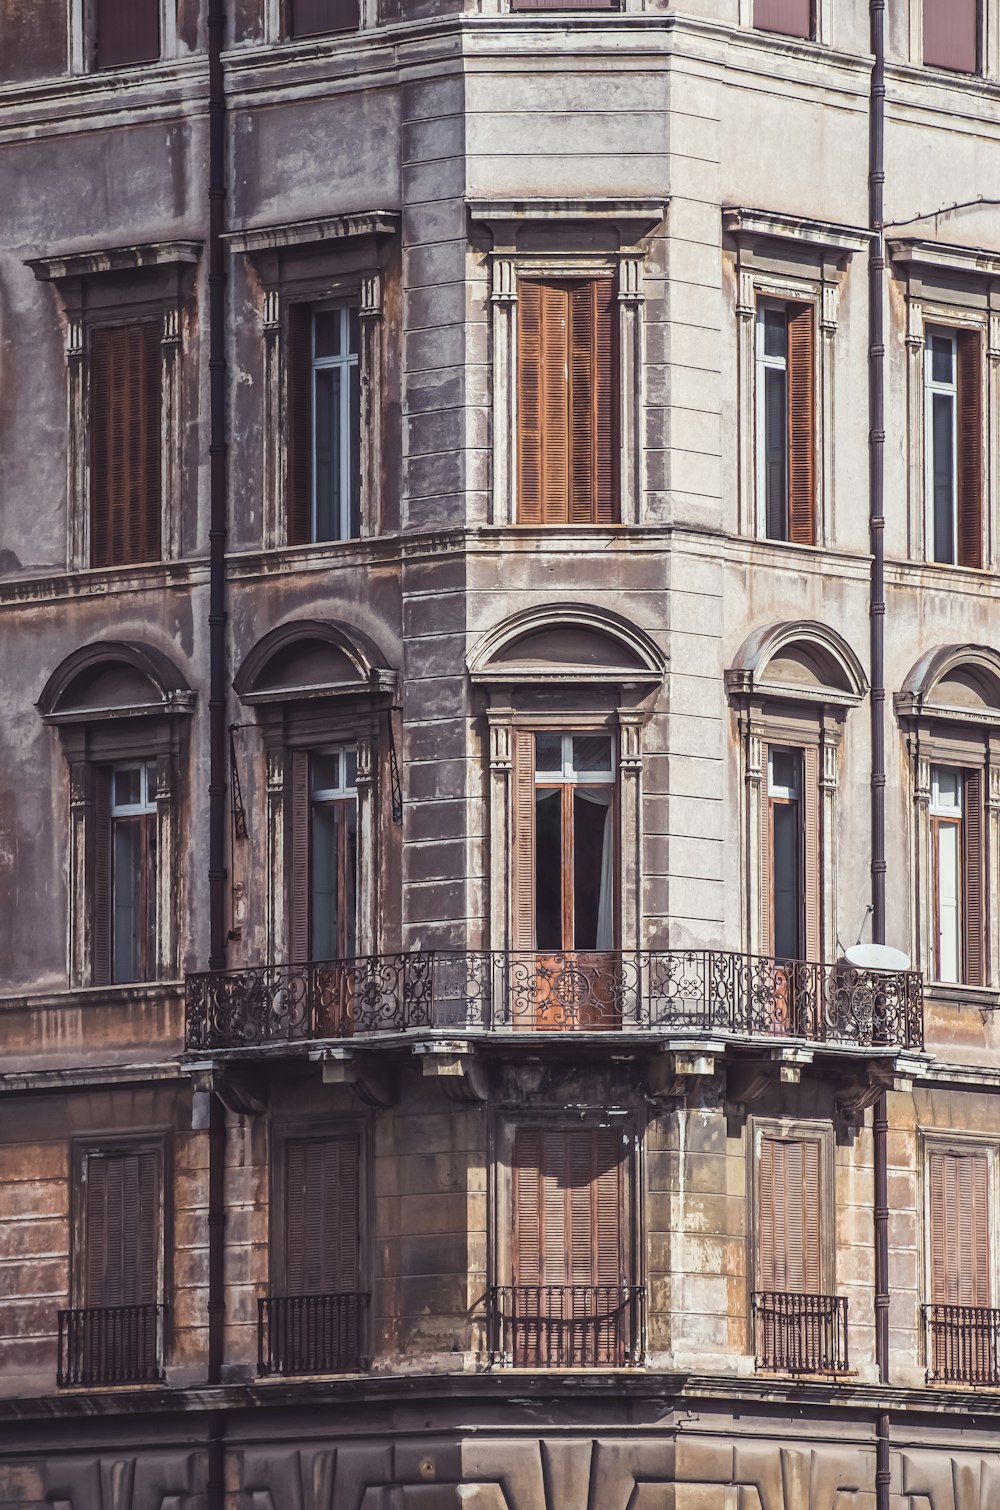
496, 564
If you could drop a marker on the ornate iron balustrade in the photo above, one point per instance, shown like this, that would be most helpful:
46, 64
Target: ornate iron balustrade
963, 1344
566, 1326
111, 1345
800, 1334
311, 1334
644, 990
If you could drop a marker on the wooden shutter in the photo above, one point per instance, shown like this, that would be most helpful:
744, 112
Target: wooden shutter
812, 859
527, 1202
592, 403
951, 34
801, 424
126, 31
522, 868
121, 1231
299, 878
568, 1204
298, 424
101, 882
792, 17
125, 444
970, 450
322, 1233
959, 1221
973, 920
789, 1255
308, 18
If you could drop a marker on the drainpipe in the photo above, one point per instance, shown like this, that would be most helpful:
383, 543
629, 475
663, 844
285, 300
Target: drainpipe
876, 454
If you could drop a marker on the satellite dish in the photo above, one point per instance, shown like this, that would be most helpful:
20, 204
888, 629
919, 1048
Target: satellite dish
876, 957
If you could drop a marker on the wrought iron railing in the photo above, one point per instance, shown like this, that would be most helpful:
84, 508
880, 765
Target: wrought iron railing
702, 991
963, 1344
566, 1326
311, 1334
111, 1345
800, 1334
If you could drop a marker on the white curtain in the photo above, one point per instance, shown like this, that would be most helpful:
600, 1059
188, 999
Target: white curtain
601, 796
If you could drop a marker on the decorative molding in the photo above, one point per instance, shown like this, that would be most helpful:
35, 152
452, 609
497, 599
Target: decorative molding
309, 233
943, 256
113, 260
634, 219
749, 225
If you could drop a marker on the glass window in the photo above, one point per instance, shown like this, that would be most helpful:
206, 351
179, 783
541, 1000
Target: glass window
133, 872
784, 773
941, 441
947, 792
333, 854
772, 420
574, 841
336, 422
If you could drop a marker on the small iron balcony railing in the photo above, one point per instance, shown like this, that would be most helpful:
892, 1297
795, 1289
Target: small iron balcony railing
706, 991
800, 1334
111, 1345
963, 1344
566, 1326
311, 1334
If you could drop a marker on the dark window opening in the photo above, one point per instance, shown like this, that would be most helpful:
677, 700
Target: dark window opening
953, 432
787, 843
126, 31
786, 430
324, 403
312, 18
574, 842
133, 864
125, 445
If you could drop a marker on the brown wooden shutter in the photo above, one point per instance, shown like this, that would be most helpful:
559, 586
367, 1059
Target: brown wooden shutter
554, 395
299, 879
522, 869
970, 450
792, 17
801, 424
592, 403
608, 1198
526, 1200
125, 410
121, 1234
951, 34
764, 860
101, 880
126, 31
789, 1254
309, 18
959, 1220
322, 1231
567, 1196
973, 920
812, 859
298, 422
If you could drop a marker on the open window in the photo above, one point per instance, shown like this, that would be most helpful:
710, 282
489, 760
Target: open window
786, 426
953, 444
324, 424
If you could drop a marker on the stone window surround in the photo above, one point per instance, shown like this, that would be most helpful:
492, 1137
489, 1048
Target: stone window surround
787, 258
989, 58
285, 1128
86, 1145
792, 1127
346, 257
631, 222
81, 38
959, 288
960, 1140
155, 276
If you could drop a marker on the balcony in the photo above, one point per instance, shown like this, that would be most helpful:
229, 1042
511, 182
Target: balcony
566, 1326
111, 1345
705, 991
800, 1334
963, 1345
311, 1334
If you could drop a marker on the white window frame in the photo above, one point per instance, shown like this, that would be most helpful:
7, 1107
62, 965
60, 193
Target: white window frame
345, 363
955, 815
934, 388
763, 365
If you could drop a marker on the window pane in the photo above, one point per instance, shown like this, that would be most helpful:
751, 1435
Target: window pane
591, 752
787, 892
785, 771
126, 31
949, 901
354, 438
548, 868
942, 359
350, 769
548, 753
325, 769
775, 333
350, 909
134, 898
151, 785
309, 17
328, 442
324, 857
592, 868
947, 785
776, 453
353, 331
128, 787
943, 475
327, 327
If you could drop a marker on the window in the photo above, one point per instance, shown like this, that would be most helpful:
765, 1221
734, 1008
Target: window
789, 1254
792, 17
564, 841
325, 854
125, 444
567, 431
786, 440
324, 425
790, 882
125, 31
956, 823
133, 872
310, 18
951, 34
953, 430
958, 1182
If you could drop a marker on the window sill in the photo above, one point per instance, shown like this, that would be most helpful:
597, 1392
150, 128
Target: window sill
983, 998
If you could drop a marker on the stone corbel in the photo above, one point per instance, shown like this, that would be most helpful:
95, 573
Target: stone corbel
455, 1066
374, 1081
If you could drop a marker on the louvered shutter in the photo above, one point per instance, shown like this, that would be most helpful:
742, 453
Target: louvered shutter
298, 423
592, 403
101, 911
959, 1220
608, 1208
764, 860
523, 840
322, 1215
791, 17
530, 415
122, 1229
973, 918
309, 18
811, 868
125, 444
126, 31
299, 889
951, 34
526, 1196
970, 450
788, 1203
554, 388
801, 424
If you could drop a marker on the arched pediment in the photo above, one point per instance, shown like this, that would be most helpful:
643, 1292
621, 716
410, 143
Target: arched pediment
312, 658
568, 642
114, 679
802, 661
956, 681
